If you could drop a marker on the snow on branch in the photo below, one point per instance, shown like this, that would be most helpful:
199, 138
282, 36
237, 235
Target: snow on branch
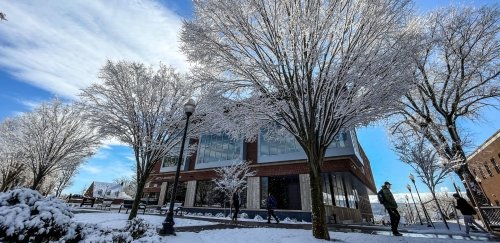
230, 178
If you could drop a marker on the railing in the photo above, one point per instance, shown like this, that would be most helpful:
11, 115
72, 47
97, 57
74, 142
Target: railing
491, 217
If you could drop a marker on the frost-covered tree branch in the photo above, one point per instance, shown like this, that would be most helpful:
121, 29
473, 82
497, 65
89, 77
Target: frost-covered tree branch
11, 157
233, 177
143, 108
457, 75
52, 134
307, 67
425, 161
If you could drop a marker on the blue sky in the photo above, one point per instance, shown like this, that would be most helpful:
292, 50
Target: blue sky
56, 47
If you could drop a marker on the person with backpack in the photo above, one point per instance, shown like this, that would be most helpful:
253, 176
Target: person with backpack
386, 198
467, 211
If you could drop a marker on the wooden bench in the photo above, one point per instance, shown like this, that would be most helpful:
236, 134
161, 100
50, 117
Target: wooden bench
88, 201
128, 205
177, 208
105, 204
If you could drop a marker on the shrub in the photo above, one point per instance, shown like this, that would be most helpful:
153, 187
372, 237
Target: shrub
258, 218
137, 227
25, 215
244, 215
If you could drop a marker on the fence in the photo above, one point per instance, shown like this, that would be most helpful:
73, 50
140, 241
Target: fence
491, 217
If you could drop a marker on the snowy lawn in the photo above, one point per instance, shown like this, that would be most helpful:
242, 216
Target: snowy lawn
118, 220
273, 235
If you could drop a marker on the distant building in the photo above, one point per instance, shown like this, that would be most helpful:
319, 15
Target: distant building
484, 164
104, 190
282, 170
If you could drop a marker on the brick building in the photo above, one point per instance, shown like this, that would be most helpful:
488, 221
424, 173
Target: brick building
484, 164
281, 169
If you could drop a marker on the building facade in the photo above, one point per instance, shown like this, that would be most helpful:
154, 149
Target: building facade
281, 169
484, 163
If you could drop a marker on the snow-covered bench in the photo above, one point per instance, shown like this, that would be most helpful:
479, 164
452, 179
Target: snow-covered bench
166, 207
105, 204
128, 205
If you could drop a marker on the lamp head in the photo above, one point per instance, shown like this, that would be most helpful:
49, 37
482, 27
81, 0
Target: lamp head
189, 107
408, 187
412, 178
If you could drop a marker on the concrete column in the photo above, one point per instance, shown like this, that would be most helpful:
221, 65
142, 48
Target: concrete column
163, 190
190, 194
305, 192
253, 192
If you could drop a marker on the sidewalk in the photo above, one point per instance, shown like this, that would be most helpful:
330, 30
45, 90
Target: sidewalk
367, 229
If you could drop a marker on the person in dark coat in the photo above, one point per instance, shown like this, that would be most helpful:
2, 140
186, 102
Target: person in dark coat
392, 207
236, 204
271, 205
467, 211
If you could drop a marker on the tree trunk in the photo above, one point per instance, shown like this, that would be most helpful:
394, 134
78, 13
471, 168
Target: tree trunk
137, 200
318, 214
440, 210
37, 181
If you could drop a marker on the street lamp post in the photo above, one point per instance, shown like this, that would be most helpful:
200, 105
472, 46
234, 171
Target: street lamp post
429, 222
409, 209
168, 224
414, 204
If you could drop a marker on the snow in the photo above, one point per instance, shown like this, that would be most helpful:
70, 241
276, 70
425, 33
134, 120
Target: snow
119, 220
273, 235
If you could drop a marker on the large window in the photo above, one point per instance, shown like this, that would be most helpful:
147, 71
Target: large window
285, 189
218, 148
180, 194
287, 148
284, 145
208, 196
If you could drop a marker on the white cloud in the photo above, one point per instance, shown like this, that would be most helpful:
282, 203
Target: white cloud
60, 45
91, 169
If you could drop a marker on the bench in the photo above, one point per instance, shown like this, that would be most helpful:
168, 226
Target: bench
332, 219
166, 207
128, 205
105, 204
88, 201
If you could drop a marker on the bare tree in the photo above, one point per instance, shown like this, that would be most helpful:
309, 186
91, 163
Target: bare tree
457, 75
11, 157
129, 185
65, 176
233, 177
142, 108
52, 134
426, 163
308, 67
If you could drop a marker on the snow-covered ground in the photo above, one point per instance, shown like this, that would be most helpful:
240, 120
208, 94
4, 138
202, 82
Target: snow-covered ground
273, 235
119, 220
264, 234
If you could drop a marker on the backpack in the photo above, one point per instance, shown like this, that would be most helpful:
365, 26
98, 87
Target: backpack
380, 196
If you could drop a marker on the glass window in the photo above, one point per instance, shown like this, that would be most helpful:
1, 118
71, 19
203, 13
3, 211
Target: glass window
214, 148
495, 165
208, 196
326, 188
488, 169
283, 145
180, 194
285, 189
173, 157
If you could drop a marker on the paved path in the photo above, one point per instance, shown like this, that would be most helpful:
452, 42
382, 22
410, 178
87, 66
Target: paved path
367, 229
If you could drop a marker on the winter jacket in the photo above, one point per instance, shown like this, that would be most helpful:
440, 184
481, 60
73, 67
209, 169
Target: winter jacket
236, 199
271, 203
464, 207
389, 201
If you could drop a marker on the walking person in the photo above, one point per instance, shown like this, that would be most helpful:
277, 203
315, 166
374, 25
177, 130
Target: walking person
236, 205
387, 199
271, 205
467, 211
